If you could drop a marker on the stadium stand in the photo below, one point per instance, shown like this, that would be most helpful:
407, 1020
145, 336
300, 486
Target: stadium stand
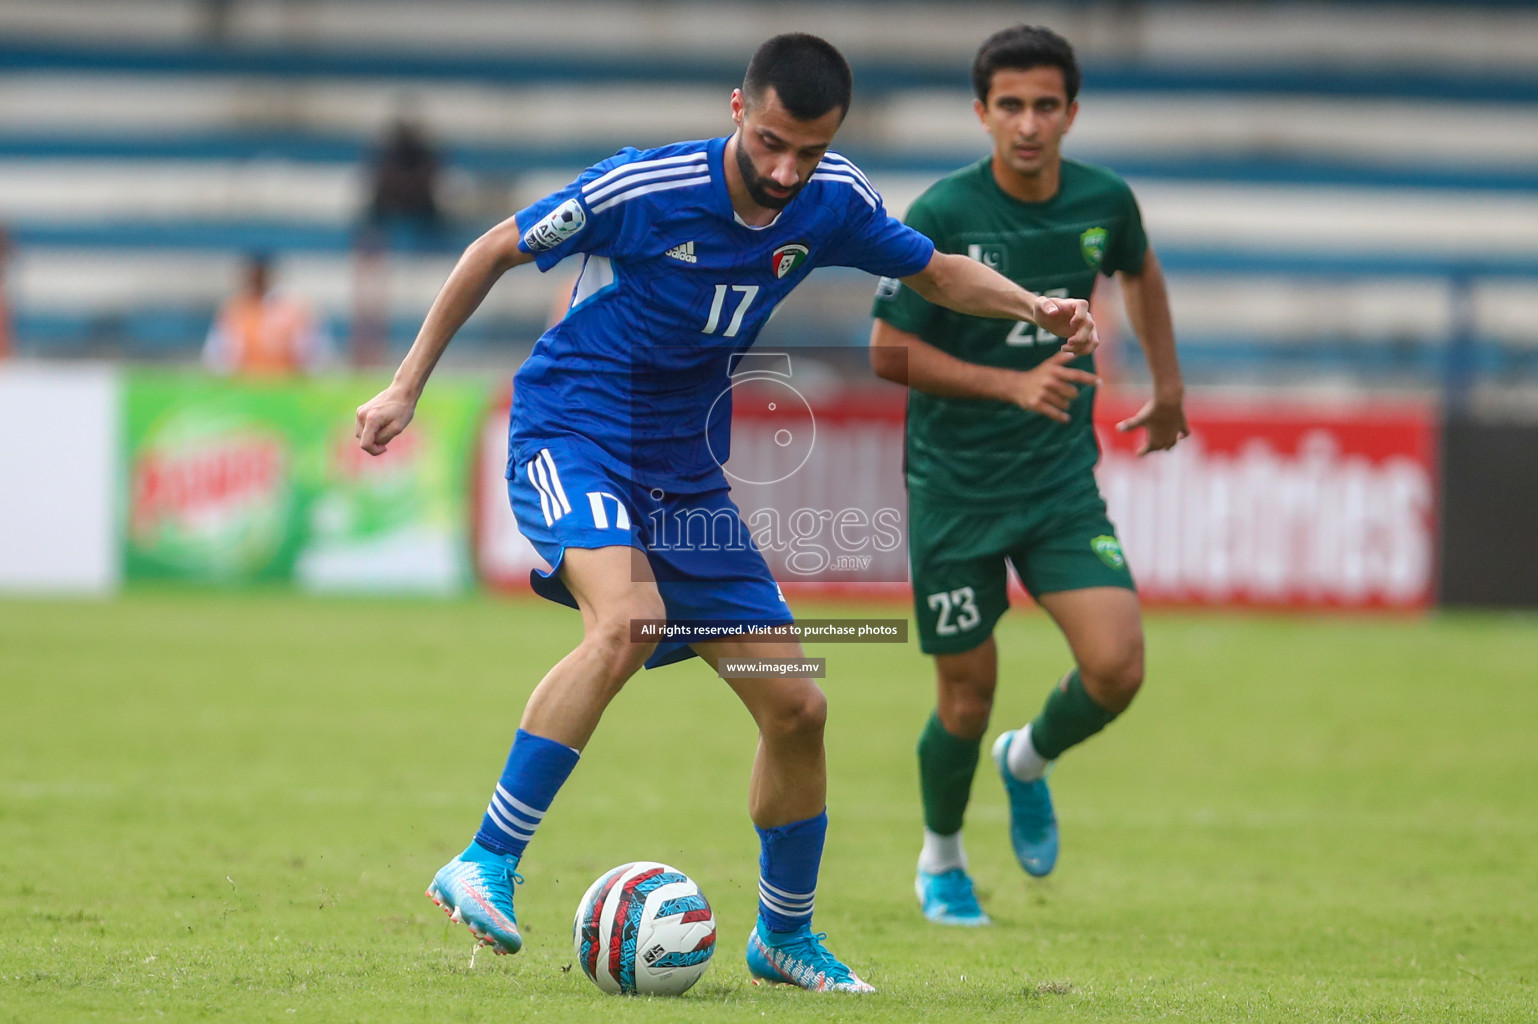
1339, 191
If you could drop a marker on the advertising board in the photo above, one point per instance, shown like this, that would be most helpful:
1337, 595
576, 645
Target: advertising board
1269, 503
245, 482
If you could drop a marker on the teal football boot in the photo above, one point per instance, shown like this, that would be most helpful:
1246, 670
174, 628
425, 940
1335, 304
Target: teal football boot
476, 889
948, 898
1032, 825
799, 958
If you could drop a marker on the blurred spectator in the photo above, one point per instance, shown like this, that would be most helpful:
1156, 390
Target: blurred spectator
7, 342
402, 214
214, 19
260, 332
405, 181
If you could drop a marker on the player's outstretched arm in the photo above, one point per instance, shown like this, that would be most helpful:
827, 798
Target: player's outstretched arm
904, 358
965, 285
385, 415
1148, 309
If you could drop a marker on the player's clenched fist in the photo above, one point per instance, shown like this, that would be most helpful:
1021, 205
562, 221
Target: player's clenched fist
382, 417
1069, 319
1050, 387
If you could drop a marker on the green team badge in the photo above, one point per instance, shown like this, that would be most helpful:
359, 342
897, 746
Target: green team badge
1092, 245
1109, 550
787, 258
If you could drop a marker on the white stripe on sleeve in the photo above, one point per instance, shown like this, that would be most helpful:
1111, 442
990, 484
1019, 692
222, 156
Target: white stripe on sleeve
656, 186
852, 182
681, 170
638, 165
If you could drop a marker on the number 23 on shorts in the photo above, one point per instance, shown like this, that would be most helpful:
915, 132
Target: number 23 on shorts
960, 603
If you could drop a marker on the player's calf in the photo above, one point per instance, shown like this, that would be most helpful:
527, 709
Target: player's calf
948, 750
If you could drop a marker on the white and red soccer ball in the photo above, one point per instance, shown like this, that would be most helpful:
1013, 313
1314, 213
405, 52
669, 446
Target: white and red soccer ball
644, 929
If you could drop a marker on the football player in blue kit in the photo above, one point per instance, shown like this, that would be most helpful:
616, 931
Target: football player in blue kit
685, 250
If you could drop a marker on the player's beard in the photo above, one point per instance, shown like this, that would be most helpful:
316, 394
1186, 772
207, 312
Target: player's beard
755, 182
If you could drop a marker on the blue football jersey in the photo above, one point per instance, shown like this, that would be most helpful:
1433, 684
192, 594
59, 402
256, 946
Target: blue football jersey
673, 285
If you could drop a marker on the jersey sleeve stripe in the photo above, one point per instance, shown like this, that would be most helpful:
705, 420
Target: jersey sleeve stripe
593, 195
656, 186
842, 164
865, 194
640, 165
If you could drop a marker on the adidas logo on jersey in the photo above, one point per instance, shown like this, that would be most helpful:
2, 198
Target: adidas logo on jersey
684, 251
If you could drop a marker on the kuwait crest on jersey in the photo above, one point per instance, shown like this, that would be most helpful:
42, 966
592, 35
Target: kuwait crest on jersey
1092, 245
787, 258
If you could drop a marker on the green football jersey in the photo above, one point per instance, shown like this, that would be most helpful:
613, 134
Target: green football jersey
984, 451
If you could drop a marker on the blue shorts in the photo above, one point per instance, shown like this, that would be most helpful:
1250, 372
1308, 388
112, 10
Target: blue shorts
702, 554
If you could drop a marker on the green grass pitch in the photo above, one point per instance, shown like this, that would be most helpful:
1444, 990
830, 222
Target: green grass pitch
226, 808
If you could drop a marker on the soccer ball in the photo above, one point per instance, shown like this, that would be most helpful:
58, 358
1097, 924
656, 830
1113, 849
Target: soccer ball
644, 928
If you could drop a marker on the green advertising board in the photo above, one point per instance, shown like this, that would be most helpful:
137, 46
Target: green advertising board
240, 482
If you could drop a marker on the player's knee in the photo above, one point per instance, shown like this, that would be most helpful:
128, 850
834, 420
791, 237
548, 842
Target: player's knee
967, 715
617, 657
965, 710
966, 697
1115, 677
798, 719
611, 639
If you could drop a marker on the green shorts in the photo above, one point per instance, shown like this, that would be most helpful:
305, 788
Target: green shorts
958, 551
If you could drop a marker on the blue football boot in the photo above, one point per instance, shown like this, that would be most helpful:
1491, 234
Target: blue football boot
799, 958
1032, 825
476, 889
948, 898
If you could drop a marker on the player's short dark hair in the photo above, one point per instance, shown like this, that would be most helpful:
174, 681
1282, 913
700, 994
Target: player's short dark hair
1021, 48
808, 74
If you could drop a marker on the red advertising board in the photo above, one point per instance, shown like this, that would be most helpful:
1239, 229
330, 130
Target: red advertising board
1280, 504
1270, 503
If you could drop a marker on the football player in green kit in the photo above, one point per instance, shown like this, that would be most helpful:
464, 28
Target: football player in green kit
1001, 453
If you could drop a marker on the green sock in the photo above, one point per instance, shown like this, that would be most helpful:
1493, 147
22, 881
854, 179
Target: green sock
1069, 717
946, 766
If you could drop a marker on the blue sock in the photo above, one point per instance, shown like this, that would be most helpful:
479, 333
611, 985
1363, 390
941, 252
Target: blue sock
788, 858
536, 769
